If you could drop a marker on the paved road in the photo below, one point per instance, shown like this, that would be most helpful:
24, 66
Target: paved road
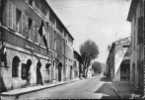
82, 89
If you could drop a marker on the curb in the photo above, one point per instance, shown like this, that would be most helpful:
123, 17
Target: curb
4, 94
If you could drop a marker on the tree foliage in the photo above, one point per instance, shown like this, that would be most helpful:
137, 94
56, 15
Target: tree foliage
97, 67
89, 51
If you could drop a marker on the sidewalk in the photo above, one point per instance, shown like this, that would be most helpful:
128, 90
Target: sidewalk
20, 91
116, 90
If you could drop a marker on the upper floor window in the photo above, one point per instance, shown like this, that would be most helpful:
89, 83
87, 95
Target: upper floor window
18, 17
29, 23
30, 32
30, 2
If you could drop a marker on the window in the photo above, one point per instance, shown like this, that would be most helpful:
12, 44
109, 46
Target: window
55, 44
29, 23
140, 30
31, 2
18, 17
15, 66
25, 70
47, 67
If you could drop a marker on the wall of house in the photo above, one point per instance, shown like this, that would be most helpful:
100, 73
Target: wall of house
137, 48
119, 56
69, 58
111, 62
16, 82
22, 39
76, 68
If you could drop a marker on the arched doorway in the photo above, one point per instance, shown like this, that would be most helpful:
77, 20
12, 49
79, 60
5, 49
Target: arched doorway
59, 71
125, 70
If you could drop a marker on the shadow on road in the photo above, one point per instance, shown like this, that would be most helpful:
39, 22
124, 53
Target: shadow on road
116, 90
105, 79
109, 90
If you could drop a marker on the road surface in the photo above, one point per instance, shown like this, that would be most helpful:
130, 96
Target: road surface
82, 89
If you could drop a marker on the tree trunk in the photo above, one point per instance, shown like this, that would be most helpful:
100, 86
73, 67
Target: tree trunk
87, 66
86, 72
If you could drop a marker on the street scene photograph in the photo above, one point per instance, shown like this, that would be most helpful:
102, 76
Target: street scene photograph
72, 49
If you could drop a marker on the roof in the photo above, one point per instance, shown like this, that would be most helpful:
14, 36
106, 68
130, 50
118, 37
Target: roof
59, 20
77, 54
132, 9
121, 41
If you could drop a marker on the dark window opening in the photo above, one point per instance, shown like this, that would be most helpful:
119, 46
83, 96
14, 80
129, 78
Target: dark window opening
29, 23
48, 25
25, 70
18, 16
125, 70
140, 30
15, 66
52, 18
47, 67
30, 2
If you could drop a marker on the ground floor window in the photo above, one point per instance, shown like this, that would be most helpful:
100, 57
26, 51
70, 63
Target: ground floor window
48, 68
25, 70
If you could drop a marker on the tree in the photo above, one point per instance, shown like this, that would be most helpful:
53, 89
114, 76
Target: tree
97, 67
89, 51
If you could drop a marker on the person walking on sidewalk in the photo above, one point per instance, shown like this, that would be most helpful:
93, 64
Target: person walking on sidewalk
28, 65
38, 73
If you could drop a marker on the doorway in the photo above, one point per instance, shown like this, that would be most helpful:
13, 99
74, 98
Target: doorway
59, 71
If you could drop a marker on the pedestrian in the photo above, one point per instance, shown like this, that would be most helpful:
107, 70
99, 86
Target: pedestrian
38, 73
28, 64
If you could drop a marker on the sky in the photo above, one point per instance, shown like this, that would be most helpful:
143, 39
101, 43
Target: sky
102, 21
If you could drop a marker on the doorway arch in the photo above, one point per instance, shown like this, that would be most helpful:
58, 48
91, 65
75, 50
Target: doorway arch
15, 66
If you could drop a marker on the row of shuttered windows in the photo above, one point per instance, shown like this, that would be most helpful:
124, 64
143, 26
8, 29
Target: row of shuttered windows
28, 27
17, 20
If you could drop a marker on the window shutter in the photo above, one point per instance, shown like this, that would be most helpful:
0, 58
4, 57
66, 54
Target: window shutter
140, 30
11, 15
14, 17
7, 14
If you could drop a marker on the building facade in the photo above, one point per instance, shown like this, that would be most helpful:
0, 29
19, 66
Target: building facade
109, 72
77, 65
117, 59
136, 17
69, 58
121, 60
32, 44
